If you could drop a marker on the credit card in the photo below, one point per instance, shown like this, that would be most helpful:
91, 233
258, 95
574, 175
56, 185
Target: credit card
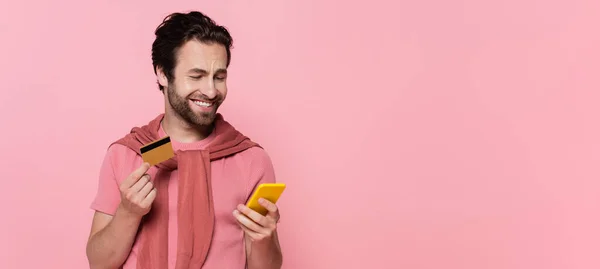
157, 151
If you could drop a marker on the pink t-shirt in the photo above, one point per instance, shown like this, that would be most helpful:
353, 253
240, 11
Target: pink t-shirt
233, 180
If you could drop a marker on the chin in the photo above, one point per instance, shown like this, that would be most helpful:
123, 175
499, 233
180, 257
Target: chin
196, 118
205, 119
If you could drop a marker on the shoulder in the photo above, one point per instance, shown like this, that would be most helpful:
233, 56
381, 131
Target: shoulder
257, 166
256, 158
117, 164
122, 160
254, 162
119, 153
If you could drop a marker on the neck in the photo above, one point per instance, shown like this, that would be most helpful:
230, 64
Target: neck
182, 131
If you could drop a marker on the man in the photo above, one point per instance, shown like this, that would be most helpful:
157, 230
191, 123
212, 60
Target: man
187, 212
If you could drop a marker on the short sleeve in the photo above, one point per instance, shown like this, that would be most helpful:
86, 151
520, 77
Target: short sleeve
261, 169
108, 195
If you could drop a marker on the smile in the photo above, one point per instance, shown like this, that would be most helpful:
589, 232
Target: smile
202, 103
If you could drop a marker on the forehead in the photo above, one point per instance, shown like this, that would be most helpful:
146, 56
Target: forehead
196, 54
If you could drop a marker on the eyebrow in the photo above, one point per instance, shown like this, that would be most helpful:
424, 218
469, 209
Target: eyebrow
202, 71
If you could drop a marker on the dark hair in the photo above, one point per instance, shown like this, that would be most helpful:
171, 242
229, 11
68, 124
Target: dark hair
178, 28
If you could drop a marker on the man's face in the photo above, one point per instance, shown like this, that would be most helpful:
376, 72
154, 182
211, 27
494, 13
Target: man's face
198, 86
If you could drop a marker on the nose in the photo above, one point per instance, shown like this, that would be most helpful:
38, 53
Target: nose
209, 89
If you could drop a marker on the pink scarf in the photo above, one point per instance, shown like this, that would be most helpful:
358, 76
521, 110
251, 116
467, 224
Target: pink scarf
195, 204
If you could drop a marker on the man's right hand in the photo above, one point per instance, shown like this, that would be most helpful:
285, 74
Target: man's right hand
137, 192
112, 236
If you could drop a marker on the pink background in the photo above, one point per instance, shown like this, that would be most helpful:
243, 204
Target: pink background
420, 134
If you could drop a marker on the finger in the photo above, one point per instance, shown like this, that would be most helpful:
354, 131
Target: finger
141, 183
149, 198
249, 232
146, 189
246, 222
253, 215
273, 210
135, 175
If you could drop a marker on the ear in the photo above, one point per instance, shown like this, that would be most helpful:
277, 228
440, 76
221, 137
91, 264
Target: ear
161, 77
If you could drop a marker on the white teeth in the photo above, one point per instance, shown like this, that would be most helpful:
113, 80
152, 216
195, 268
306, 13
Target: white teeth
202, 104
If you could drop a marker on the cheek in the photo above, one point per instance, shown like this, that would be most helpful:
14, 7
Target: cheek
186, 87
222, 88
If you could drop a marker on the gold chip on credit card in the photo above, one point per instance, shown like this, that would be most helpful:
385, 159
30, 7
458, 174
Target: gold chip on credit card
157, 151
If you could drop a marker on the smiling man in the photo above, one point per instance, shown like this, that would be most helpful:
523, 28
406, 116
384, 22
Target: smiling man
188, 211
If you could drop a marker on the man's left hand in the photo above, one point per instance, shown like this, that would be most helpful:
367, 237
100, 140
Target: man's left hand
256, 226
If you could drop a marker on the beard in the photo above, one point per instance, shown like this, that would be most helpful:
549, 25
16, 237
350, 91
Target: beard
181, 106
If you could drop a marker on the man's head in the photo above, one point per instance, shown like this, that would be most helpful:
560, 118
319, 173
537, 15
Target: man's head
190, 56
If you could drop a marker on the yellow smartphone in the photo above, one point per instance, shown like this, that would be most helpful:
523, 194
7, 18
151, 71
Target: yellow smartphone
269, 191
